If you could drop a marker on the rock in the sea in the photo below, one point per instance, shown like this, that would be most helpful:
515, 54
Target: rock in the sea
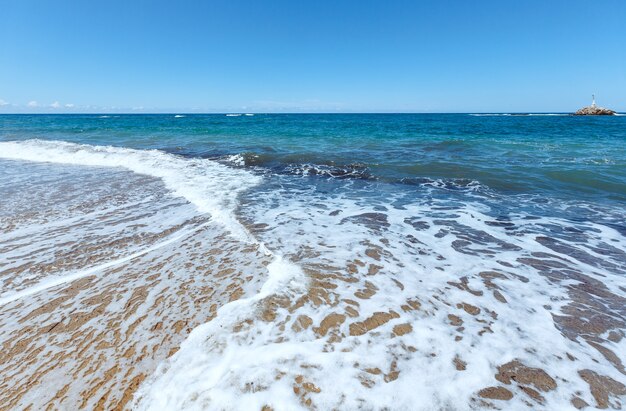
594, 111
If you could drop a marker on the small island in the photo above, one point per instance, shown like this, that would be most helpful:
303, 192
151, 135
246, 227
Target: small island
594, 110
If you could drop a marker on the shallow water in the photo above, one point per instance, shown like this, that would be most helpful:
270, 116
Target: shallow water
383, 261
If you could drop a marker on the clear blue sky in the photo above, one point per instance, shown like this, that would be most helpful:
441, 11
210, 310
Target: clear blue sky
328, 56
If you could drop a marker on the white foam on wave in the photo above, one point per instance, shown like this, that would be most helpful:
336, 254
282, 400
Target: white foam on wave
213, 188
236, 159
108, 253
64, 278
426, 245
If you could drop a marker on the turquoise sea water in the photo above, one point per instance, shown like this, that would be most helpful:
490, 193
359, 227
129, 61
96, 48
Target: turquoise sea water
555, 156
514, 224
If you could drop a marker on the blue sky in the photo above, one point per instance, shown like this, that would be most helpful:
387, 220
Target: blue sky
317, 56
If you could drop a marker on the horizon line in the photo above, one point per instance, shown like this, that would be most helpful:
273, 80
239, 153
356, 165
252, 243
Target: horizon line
284, 112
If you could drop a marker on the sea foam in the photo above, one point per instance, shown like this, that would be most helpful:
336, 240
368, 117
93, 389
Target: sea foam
412, 304
396, 300
213, 188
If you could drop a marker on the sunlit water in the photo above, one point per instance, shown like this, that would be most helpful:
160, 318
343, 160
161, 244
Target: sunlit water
353, 261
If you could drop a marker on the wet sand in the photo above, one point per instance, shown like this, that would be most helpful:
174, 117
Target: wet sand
159, 269
88, 343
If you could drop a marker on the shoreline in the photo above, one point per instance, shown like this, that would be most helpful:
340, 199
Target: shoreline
425, 285
90, 342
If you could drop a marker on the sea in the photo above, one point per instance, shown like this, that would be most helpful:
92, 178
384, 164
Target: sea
312, 261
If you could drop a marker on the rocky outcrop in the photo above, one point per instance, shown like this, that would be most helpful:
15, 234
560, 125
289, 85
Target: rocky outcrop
594, 111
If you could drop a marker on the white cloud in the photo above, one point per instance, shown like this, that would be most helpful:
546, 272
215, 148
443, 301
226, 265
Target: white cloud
33, 104
3, 103
69, 105
56, 104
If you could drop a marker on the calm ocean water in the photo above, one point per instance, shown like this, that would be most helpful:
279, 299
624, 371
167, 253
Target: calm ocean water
399, 243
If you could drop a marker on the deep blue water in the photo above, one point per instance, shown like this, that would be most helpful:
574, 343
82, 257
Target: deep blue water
553, 156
